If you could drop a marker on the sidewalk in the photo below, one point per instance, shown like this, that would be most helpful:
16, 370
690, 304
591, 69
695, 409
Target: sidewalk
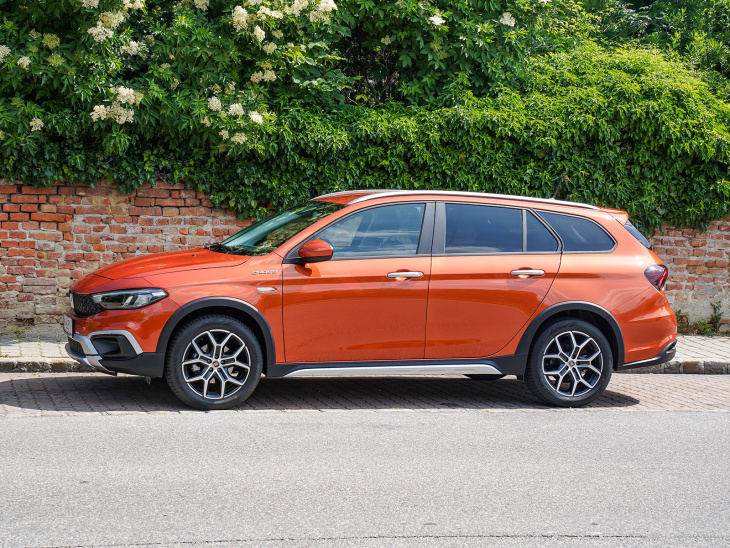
41, 349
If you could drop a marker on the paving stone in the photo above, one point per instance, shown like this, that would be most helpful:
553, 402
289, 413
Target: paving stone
40, 394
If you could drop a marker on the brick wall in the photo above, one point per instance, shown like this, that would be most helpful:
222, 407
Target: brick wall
51, 236
698, 265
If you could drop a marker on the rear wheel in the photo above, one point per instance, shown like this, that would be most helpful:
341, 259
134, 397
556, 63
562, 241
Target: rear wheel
570, 364
213, 362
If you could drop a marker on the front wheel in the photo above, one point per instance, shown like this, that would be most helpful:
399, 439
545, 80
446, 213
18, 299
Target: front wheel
213, 362
570, 364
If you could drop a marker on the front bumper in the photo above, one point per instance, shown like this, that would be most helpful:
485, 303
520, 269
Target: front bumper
113, 352
667, 354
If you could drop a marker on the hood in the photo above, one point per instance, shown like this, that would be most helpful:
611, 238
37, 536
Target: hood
173, 261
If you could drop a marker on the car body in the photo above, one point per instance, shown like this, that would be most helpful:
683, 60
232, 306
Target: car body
387, 283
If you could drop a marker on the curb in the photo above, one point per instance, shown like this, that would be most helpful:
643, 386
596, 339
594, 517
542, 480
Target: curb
688, 367
42, 365
67, 365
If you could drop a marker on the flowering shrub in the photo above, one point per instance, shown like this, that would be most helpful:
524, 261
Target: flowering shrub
263, 103
124, 72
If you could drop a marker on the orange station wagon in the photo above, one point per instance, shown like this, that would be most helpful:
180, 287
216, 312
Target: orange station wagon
560, 294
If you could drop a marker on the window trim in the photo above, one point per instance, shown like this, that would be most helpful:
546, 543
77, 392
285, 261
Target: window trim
425, 237
562, 246
439, 235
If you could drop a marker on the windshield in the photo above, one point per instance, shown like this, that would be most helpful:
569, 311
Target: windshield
264, 236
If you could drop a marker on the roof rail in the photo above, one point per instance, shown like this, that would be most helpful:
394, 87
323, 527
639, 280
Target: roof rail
387, 193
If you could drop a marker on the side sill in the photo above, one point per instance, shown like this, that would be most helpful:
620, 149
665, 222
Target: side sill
502, 365
663, 357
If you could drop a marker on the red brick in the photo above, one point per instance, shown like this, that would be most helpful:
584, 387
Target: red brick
49, 217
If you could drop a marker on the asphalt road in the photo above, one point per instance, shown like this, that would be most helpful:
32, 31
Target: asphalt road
371, 478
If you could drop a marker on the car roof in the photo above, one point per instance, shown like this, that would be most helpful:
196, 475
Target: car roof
356, 196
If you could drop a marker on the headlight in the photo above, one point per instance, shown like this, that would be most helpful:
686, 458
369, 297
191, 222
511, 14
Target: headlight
129, 298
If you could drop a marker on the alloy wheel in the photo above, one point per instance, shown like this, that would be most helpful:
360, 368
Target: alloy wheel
572, 363
216, 364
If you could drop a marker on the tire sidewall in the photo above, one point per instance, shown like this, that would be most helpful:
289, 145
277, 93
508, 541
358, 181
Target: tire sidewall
535, 379
180, 342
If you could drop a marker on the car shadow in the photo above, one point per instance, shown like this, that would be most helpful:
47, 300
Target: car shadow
98, 393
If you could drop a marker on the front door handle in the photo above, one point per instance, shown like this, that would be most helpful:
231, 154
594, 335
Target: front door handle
528, 272
397, 275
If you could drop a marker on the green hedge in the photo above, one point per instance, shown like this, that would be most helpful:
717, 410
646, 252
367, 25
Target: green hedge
626, 129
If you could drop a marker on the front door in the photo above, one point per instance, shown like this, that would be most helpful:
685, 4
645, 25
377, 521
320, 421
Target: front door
492, 267
356, 306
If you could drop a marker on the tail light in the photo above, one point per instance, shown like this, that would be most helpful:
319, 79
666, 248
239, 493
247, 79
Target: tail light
657, 274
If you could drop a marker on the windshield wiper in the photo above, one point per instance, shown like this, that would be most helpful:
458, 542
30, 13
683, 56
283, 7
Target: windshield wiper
217, 246
231, 250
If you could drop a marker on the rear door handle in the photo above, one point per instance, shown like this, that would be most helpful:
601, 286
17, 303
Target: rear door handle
528, 272
405, 275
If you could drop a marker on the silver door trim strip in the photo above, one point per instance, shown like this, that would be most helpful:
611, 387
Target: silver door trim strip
391, 370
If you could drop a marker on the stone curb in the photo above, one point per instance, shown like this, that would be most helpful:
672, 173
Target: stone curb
42, 365
67, 365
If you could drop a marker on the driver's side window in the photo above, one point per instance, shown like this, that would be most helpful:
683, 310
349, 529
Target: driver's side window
387, 231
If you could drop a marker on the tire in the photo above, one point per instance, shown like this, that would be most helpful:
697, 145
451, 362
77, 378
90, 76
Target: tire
484, 377
196, 369
570, 363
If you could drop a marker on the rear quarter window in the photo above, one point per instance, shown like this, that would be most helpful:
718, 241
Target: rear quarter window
578, 233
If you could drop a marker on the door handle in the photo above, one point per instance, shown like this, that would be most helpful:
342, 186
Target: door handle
528, 272
397, 275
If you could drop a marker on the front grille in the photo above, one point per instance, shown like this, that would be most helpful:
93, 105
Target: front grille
75, 346
84, 305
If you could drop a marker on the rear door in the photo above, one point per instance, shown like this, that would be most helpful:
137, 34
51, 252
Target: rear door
492, 266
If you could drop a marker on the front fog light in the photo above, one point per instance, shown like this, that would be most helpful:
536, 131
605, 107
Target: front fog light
128, 299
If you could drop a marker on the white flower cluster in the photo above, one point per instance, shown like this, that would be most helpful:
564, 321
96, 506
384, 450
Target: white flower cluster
134, 48
239, 138
214, 104
256, 117
267, 76
4, 52
223, 133
116, 112
320, 13
277, 33
240, 18
386, 40
236, 109
34, 34
264, 12
100, 32
36, 124
259, 33
436, 20
507, 19
90, 4
112, 19
297, 7
127, 95
202, 5
269, 48
24, 62
133, 4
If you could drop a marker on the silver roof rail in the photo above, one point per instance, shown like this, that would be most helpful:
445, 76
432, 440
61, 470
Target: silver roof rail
387, 193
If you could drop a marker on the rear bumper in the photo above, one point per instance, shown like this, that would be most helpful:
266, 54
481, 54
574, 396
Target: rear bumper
667, 354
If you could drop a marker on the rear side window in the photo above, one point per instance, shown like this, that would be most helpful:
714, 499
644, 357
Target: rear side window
539, 238
638, 235
578, 233
481, 229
